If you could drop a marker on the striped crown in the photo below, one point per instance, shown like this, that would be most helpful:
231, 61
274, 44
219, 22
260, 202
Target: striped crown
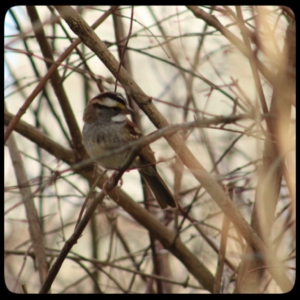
110, 99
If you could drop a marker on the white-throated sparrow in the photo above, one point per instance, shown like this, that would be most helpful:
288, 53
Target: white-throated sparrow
106, 127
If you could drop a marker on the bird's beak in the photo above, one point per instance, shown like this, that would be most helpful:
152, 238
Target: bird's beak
128, 110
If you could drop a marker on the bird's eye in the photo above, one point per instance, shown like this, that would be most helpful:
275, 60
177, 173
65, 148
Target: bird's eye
115, 109
98, 106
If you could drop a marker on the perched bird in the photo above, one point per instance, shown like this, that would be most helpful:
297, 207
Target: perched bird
106, 127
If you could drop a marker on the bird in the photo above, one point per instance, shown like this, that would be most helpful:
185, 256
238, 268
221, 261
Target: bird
107, 128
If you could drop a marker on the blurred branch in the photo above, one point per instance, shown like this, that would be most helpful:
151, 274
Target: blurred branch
104, 264
270, 175
43, 141
214, 22
164, 235
56, 80
124, 58
253, 61
70, 243
48, 75
37, 73
34, 225
223, 245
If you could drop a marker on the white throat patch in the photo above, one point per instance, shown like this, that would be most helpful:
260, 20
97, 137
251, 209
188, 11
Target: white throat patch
119, 118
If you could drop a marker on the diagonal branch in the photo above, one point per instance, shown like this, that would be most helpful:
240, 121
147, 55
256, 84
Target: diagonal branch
48, 75
88, 36
163, 234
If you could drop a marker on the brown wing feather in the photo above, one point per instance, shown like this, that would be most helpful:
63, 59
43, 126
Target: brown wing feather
149, 172
146, 154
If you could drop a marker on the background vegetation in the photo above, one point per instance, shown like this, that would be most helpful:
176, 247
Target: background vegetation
225, 76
